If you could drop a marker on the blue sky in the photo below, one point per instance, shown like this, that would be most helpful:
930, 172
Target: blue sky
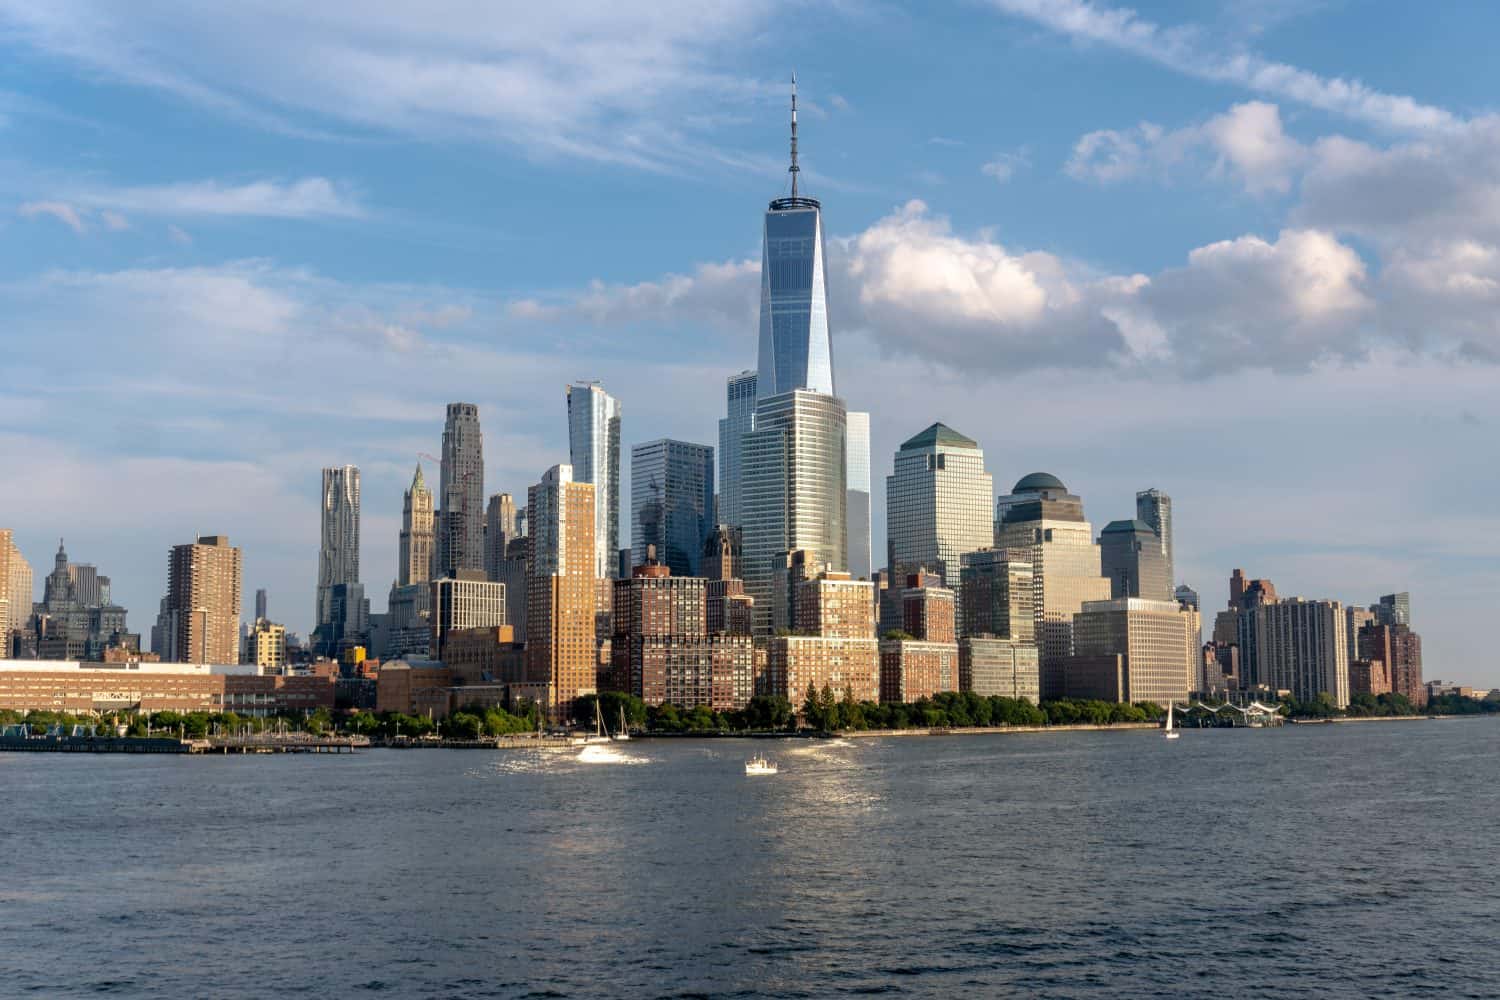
1244, 251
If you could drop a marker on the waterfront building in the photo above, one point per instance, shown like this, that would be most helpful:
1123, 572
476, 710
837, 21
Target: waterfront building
1040, 517
1154, 508
739, 421
1368, 677
268, 646
922, 659
991, 666
594, 450
1134, 649
937, 505
415, 555
460, 518
561, 649
1133, 559
928, 610
835, 644
998, 594
499, 532
671, 503
1400, 649
203, 600
1297, 645
857, 486
80, 688
1393, 609
338, 554
833, 605
466, 601
794, 492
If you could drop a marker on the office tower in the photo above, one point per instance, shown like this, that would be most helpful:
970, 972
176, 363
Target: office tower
86, 584
513, 575
794, 492
1040, 517
857, 483
937, 505
1133, 649
408, 621
260, 603
1154, 508
1296, 645
739, 421
835, 645
997, 597
74, 620
338, 556
563, 560
1400, 649
730, 610
414, 556
594, 450
203, 600
521, 522
1393, 609
348, 623
795, 349
467, 600
1132, 558
268, 646
662, 650
671, 503
499, 529
460, 519
1186, 596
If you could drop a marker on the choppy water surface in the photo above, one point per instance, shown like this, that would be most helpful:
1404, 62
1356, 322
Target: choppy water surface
1342, 860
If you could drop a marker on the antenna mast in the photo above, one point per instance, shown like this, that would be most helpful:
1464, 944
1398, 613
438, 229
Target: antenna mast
794, 170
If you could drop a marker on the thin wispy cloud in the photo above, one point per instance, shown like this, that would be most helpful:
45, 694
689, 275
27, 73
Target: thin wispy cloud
1193, 51
63, 212
308, 198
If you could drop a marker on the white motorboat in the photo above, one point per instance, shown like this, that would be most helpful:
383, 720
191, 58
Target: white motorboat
759, 764
1170, 733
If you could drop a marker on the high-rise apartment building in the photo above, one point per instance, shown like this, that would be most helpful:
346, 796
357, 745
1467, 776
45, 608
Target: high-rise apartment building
835, 645
857, 476
418, 513
560, 603
671, 503
739, 421
1297, 645
338, 556
1400, 649
460, 519
267, 646
203, 600
1040, 517
1134, 560
594, 450
937, 505
794, 494
730, 610
499, 531
1394, 609
1154, 508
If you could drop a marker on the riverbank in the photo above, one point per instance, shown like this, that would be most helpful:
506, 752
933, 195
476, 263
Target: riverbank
1074, 727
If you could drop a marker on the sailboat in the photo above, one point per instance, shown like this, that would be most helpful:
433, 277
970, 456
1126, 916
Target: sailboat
622, 733
1169, 733
600, 736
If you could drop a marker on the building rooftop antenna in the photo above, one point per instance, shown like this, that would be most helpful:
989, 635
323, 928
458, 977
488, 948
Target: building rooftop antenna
794, 170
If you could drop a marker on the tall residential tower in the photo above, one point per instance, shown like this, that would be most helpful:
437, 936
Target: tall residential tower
594, 449
460, 521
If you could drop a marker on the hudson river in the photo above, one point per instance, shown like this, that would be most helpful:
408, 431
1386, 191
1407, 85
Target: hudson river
1316, 861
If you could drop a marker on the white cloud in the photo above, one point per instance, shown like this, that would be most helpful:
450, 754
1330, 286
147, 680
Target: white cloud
63, 212
310, 197
1250, 140
1004, 166
1191, 51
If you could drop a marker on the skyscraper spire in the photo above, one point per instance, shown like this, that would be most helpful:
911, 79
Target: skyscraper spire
794, 170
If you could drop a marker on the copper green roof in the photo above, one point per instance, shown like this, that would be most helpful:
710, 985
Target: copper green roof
939, 434
1039, 481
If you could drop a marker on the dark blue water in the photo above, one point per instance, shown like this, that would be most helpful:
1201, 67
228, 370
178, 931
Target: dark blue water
1344, 860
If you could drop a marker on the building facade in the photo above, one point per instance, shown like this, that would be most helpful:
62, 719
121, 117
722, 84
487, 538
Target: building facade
338, 554
937, 505
415, 555
738, 421
203, 597
1154, 508
499, 532
460, 518
561, 650
857, 484
671, 503
1157, 641
992, 667
465, 601
1298, 646
1400, 649
998, 594
1133, 558
594, 450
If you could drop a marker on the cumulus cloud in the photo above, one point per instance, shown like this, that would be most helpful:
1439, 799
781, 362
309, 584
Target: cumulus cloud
1247, 142
63, 212
723, 296
1004, 166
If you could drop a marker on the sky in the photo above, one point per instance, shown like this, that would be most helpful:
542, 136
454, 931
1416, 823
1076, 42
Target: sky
1245, 251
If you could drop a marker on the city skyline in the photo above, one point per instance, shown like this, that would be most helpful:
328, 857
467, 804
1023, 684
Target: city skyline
1315, 538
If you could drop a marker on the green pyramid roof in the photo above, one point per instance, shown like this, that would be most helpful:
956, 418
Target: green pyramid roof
939, 434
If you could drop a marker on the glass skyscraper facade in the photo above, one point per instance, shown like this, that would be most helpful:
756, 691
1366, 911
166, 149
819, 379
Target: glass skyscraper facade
338, 556
857, 476
460, 537
1133, 557
671, 503
795, 493
937, 504
739, 421
795, 349
1155, 509
594, 450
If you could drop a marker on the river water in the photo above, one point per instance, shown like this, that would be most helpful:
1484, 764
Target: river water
1317, 861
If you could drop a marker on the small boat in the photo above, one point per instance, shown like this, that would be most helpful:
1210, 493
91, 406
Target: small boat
1169, 733
600, 736
623, 733
760, 765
